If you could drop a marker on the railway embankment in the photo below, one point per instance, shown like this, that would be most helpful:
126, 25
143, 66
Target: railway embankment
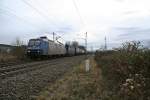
25, 81
77, 84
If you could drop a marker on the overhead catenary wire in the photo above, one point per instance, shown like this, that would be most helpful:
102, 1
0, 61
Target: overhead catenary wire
10, 12
81, 19
38, 11
41, 14
78, 12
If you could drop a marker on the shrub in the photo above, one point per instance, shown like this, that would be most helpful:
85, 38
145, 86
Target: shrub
126, 71
19, 52
19, 49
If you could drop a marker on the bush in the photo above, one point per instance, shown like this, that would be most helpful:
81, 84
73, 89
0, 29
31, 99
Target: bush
19, 49
126, 71
19, 52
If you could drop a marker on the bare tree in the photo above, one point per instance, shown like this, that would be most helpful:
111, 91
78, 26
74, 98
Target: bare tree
75, 45
19, 48
17, 42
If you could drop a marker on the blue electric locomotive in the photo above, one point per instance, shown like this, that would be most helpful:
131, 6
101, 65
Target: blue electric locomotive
37, 47
44, 47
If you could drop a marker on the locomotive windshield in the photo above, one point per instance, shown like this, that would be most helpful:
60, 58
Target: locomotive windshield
34, 42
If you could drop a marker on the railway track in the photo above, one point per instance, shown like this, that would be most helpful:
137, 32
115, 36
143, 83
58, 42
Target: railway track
25, 81
13, 70
12, 63
21, 69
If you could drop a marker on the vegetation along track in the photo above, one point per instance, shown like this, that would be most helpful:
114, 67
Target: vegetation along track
25, 81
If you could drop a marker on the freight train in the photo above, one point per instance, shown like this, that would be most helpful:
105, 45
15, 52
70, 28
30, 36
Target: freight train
43, 47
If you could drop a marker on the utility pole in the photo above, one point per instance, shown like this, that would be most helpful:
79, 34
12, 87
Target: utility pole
91, 49
53, 36
105, 44
86, 42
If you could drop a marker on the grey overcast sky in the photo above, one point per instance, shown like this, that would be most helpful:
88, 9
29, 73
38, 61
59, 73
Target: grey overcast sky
118, 20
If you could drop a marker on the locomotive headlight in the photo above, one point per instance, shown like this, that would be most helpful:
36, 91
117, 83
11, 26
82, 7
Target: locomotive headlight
38, 51
28, 51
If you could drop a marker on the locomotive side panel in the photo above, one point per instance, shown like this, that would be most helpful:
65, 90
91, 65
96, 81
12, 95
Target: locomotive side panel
62, 50
51, 49
44, 48
56, 49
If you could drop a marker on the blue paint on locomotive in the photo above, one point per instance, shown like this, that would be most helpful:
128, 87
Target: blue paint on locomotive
37, 47
44, 47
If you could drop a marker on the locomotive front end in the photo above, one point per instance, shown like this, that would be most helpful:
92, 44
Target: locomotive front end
34, 47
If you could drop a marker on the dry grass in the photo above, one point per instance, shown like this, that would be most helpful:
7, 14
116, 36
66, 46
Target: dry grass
125, 73
7, 57
76, 85
17, 53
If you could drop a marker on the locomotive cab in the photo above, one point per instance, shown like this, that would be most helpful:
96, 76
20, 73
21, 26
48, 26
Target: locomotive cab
37, 47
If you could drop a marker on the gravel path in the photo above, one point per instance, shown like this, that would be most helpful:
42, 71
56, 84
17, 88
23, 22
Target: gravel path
26, 85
